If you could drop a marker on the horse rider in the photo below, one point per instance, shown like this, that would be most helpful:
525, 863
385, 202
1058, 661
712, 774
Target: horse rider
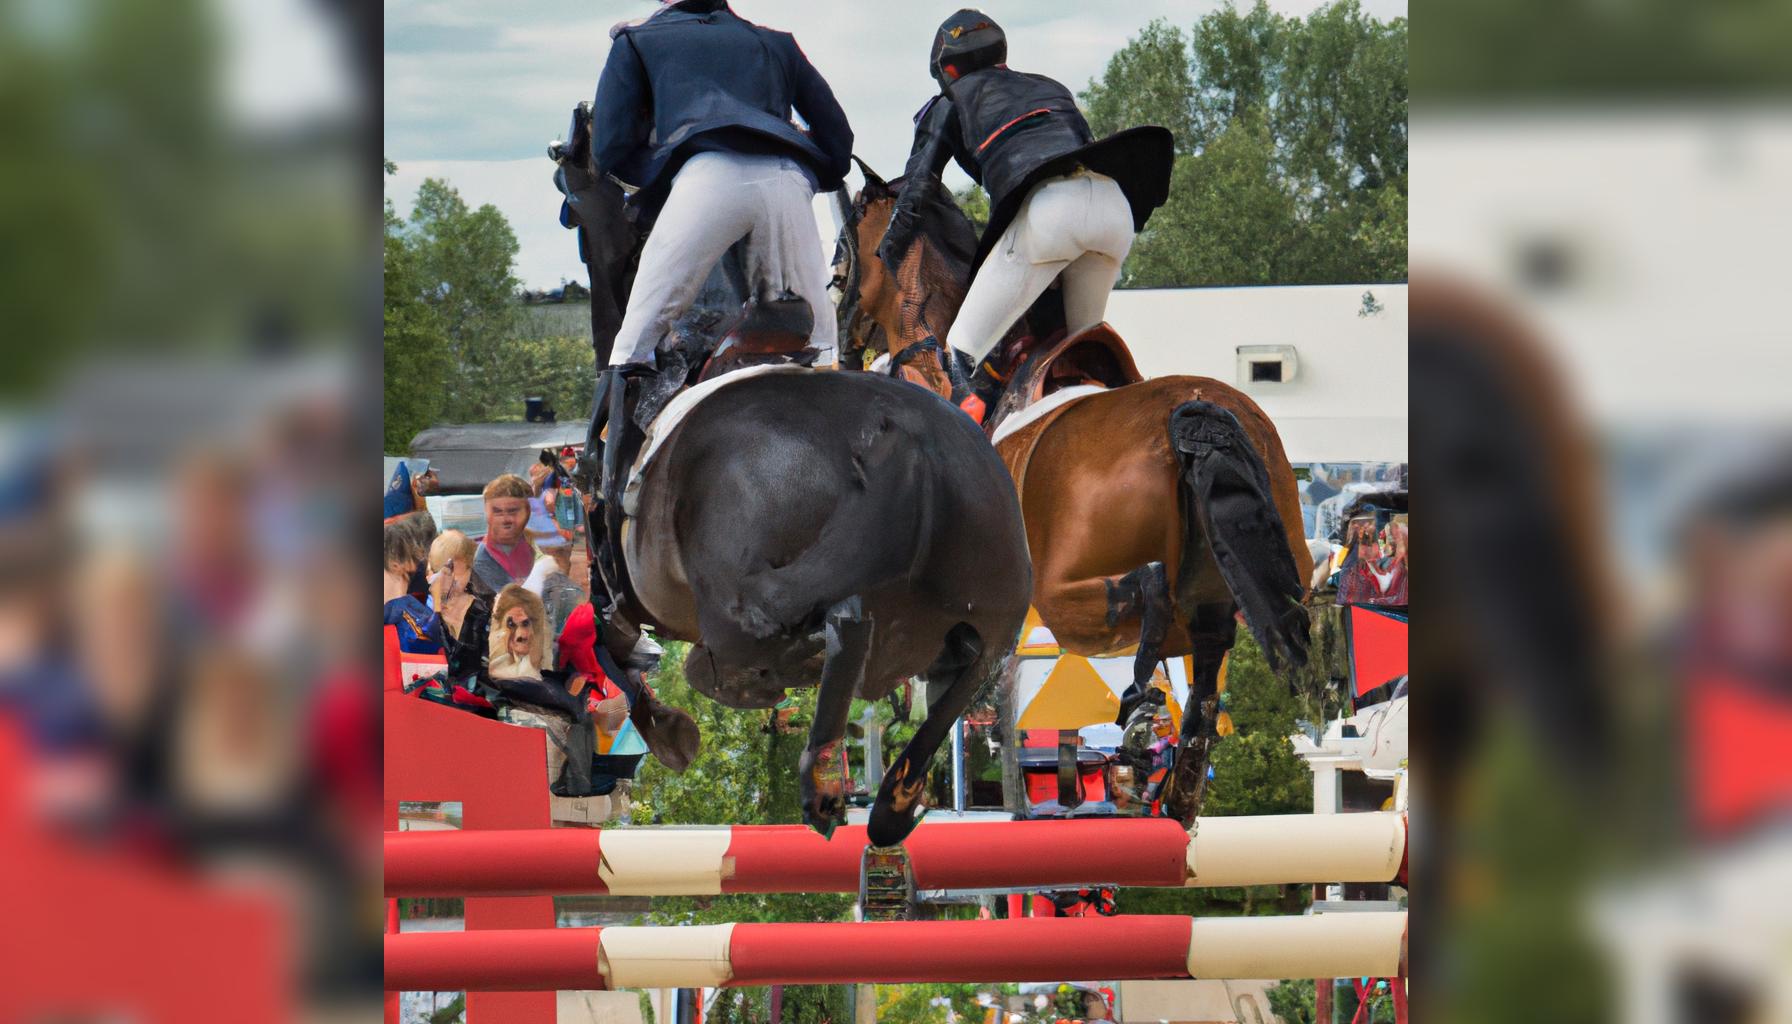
1061, 204
693, 111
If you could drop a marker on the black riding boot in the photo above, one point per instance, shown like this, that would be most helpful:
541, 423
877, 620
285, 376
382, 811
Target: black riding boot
618, 388
981, 386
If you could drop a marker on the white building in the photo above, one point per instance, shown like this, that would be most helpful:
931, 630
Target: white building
1339, 349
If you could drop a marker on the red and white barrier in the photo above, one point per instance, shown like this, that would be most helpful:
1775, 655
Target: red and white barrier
1260, 850
1370, 944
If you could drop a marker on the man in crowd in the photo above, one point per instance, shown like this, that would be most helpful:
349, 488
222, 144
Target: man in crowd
505, 555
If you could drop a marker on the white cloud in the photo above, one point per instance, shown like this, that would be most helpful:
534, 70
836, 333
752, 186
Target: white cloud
474, 90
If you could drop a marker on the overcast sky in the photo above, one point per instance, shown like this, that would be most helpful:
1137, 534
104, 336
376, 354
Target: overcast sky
475, 90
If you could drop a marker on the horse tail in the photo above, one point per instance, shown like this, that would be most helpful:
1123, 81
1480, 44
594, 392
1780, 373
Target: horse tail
1227, 510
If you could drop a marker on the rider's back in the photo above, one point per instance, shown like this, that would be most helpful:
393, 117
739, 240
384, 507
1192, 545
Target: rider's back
696, 78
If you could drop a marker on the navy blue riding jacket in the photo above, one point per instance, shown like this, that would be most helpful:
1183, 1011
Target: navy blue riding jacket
696, 77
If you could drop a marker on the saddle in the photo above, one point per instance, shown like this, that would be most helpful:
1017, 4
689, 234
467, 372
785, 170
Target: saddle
768, 333
1097, 357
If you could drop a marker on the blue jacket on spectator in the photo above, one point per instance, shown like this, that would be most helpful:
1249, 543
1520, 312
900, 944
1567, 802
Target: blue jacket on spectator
696, 77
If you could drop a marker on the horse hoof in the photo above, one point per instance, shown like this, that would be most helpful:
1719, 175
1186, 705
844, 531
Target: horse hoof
890, 827
821, 823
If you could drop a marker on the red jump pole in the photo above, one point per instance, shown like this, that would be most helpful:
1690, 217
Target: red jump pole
1274, 849
779, 858
896, 952
494, 960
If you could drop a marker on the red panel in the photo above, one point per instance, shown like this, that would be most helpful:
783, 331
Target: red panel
1377, 648
88, 933
1739, 740
498, 773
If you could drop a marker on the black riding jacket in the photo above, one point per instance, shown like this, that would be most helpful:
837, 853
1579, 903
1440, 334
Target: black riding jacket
1010, 131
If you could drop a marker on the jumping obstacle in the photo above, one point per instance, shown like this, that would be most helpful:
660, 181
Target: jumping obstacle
1371, 944
511, 959
1262, 850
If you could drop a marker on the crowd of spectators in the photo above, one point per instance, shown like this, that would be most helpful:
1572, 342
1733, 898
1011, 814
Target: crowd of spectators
517, 634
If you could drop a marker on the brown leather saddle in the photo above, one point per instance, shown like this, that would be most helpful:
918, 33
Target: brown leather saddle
1096, 356
770, 332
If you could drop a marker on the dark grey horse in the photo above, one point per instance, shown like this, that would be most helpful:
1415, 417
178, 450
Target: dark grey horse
814, 528
844, 529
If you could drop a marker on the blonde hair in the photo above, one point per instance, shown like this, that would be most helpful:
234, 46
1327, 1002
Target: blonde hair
507, 486
451, 544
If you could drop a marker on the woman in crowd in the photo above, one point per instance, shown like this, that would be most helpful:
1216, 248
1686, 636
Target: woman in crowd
419, 628
465, 616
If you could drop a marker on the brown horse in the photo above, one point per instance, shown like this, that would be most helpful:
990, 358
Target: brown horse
1156, 511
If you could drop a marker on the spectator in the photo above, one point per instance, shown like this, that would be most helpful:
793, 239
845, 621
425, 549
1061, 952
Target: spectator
465, 615
541, 478
518, 646
551, 580
586, 677
565, 499
605, 701
419, 628
215, 575
422, 527
505, 556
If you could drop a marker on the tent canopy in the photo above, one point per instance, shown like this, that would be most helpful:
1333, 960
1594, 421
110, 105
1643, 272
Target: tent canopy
466, 457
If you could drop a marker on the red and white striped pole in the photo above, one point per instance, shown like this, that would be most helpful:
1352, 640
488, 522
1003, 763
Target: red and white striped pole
1370, 944
1258, 850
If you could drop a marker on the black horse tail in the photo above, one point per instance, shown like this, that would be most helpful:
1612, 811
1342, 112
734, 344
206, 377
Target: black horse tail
1226, 509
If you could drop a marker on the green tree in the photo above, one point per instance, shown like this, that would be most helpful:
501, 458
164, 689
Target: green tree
1291, 137
1292, 1002
465, 260
975, 204
556, 367
416, 352
1147, 82
1228, 219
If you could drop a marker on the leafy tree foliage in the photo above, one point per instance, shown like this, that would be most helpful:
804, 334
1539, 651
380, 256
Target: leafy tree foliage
465, 258
460, 348
416, 341
1291, 141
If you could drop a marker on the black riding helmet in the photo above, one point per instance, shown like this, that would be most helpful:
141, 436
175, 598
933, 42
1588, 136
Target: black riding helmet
967, 41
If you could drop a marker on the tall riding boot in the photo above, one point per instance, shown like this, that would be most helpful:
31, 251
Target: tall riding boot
984, 388
958, 372
618, 390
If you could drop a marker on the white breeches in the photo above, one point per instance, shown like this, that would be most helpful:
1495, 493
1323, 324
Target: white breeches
718, 199
1078, 227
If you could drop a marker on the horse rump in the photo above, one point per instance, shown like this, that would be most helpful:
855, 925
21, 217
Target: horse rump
1226, 497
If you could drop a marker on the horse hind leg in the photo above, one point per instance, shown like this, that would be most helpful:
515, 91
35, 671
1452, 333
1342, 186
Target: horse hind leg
965, 664
1213, 629
1144, 592
823, 787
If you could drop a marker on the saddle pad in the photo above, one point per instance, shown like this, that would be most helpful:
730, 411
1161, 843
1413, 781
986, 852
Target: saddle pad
1040, 408
674, 413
